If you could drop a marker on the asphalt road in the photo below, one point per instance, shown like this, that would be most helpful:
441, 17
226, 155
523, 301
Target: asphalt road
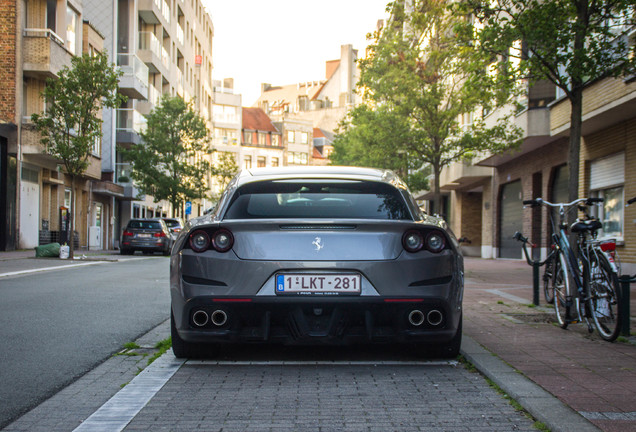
57, 325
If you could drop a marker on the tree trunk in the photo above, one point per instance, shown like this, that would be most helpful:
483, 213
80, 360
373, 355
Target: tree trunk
575, 143
437, 194
71, 246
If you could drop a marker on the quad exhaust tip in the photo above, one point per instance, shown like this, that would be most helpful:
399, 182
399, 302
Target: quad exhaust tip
219, 318
200, 318
434, 317
416, 318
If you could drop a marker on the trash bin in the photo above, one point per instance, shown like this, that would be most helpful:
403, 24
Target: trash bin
64, 251
51, 250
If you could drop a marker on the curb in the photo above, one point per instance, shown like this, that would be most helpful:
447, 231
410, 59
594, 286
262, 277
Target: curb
541, 404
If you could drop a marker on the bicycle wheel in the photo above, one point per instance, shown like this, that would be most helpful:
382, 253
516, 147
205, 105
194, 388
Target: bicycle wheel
548, 279
562, 292
604, 299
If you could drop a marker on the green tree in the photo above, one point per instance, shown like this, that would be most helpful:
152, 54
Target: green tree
171, 163
571, 43
420, 78
225, 169
70, 125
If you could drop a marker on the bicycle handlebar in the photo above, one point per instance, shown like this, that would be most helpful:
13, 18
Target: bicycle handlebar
519, 237
588, 201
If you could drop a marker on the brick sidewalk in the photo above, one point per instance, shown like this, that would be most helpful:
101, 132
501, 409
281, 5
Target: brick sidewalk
594, 377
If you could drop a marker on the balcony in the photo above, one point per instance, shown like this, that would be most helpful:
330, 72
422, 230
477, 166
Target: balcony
130, 124
150, 11
151, 53
134, 82
179, 83
154, 95
124, 180
43, 53
462, 175
535, 124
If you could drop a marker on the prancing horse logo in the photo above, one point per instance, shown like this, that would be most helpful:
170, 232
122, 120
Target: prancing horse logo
318, 243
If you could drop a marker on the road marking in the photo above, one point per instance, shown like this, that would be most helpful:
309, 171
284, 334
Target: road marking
624, 416
453, 363
508, 296
62, 267
115, 414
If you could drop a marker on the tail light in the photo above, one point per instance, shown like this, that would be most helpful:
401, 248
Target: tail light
414, 241
608, 245
128, 233
160, 234
221, 240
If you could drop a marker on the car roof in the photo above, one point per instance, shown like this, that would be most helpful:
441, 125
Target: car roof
318, 172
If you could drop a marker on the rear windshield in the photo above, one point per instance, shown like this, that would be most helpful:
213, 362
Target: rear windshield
172, 223
318, 199
145, 224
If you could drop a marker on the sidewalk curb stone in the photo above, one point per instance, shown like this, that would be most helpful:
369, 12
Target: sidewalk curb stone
542, 405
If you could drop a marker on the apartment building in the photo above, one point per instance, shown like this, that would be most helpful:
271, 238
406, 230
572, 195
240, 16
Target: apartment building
164, 47
261, 141
227, 116
40, 38
485, 195
320, 104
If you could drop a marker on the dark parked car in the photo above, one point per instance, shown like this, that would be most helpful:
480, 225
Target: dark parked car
316, 255
175, 225
146, 235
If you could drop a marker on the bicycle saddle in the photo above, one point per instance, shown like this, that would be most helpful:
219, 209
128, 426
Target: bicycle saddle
586, 225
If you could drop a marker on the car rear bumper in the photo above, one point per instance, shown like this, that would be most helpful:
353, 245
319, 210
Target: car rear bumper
299, 321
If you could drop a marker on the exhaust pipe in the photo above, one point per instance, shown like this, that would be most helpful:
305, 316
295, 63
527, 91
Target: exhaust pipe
200, 318
416, 317
434, 317
219, 318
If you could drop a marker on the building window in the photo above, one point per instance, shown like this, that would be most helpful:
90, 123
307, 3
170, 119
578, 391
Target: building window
247, 137
247, 162
607, 179
275, 162
260, 161
290, 136
262, 139
297, 158
275, 140
71, 29
304, 138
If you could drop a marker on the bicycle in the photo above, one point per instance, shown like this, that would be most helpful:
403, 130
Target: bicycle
584, 283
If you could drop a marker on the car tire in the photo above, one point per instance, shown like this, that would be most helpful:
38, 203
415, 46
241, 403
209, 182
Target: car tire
449, 350
126, 251
181, 348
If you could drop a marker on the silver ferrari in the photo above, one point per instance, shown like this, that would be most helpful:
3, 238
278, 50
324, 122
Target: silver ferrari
313, 255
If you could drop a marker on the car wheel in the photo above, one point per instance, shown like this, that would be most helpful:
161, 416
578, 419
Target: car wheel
166, 252
126, 251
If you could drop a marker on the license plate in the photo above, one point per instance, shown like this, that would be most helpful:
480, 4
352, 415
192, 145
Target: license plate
289, 283
143, 235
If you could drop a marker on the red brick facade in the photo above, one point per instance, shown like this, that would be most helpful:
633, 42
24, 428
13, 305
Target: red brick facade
8, 50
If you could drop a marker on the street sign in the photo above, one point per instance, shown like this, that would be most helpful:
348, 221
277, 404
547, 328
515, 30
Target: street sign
188, 208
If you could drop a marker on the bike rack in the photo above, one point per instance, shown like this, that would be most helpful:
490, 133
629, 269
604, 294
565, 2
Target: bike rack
535, 266
625, 281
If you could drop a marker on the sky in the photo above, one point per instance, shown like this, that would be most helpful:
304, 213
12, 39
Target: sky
285, 41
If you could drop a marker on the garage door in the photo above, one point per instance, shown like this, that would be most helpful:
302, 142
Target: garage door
511, 206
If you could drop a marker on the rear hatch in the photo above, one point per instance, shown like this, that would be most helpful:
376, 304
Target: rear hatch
317, 241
